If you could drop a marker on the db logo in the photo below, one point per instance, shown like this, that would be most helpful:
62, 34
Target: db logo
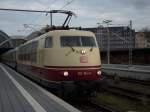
83, 59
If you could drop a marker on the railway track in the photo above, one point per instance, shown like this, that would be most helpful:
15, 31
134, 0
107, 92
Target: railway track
92, 106
130, 80
128, 93
103, 107
136, 73
142, 82
130, 89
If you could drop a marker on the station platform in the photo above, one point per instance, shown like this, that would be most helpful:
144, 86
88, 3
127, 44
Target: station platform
18, 94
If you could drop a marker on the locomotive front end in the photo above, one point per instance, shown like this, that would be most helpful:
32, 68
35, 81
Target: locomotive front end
74, 60
75, 56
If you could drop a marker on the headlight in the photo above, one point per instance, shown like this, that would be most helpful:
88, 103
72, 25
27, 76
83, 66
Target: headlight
99, 72
66, 73
83, 52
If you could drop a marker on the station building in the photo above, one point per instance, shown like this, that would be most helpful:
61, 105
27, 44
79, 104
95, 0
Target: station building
142, 40
7, 42
121, 37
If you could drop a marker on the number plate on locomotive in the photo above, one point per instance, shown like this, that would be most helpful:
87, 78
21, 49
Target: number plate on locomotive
84, 73
83, 59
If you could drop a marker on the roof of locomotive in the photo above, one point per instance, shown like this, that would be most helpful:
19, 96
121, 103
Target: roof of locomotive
58, 33
70, 32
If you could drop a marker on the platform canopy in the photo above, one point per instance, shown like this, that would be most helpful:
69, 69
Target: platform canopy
7, 43
3, 36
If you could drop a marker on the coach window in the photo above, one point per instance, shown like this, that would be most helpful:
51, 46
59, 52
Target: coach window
34, 51
48, 42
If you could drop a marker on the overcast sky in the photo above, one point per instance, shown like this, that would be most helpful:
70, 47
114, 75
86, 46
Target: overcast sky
89, 13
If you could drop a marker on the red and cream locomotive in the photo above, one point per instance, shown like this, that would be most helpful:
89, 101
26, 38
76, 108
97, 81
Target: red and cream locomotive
63, 59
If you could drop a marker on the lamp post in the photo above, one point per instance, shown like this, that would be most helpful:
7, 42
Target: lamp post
99, 34
130, 44
107, 22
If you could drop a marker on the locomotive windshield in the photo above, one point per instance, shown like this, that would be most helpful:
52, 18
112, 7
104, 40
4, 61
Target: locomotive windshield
77, 41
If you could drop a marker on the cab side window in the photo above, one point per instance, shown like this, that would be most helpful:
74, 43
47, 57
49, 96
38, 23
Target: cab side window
48, 42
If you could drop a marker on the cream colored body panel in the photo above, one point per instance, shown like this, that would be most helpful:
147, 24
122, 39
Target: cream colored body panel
64, 56
58, 57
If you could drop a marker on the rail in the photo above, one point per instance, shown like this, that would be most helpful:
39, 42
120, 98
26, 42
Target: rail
136, 72
92, 106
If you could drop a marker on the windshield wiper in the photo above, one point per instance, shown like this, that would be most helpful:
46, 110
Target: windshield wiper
73, 49
91, 49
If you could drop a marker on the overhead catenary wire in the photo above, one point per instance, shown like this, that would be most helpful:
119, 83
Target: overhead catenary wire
35, 19
23, 10
43, 11
38, 16
68, 3
53, 2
